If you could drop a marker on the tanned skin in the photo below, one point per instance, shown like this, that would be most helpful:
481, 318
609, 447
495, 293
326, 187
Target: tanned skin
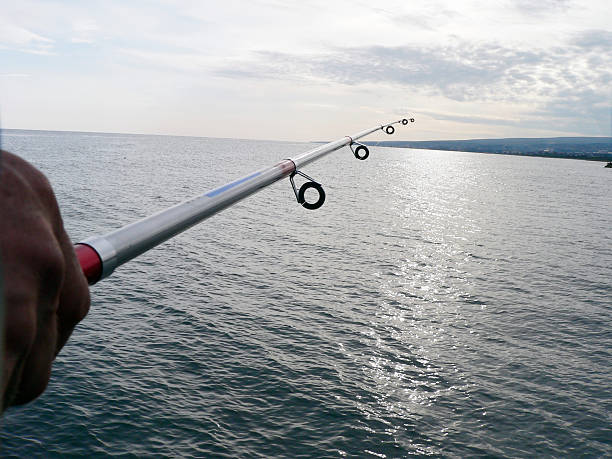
45, 291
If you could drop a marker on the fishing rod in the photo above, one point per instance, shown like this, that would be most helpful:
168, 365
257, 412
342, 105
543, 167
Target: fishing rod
99, 256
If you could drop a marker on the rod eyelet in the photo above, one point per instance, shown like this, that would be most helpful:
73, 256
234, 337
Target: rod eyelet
365, 154
389, 129
302, 199
360, 148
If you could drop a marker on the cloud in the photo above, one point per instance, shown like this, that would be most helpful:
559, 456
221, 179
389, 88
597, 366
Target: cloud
469, 119
430, 16
463, 72
568, 84
78, 40
513, 63
83, 31
188, 62
15, 37
541, 7
595, 40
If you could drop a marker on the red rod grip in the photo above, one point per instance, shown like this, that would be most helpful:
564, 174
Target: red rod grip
90, 262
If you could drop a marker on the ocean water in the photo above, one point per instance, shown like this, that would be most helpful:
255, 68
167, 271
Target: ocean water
439, 304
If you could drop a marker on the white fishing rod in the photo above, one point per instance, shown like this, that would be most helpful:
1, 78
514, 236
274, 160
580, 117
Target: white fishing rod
99, 256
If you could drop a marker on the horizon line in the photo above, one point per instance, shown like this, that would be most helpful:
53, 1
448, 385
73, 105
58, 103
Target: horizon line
291, 141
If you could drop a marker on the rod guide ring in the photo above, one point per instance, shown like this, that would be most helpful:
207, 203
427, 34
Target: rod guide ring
302, 198
360, 148
301, 195
365, 150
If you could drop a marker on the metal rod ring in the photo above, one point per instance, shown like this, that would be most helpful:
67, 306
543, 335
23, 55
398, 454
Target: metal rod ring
302, 199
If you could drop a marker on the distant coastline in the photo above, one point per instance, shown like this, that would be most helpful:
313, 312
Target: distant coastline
585, 148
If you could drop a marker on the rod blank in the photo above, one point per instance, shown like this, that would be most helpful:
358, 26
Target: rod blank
99, 256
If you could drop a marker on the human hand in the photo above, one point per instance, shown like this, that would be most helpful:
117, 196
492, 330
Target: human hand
45, 291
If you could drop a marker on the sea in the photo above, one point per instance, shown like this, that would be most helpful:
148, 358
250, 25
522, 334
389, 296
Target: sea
439, 304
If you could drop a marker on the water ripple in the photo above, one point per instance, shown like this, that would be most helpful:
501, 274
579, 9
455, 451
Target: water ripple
460, 306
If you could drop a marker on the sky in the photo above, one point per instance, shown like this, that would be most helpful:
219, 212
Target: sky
308, 70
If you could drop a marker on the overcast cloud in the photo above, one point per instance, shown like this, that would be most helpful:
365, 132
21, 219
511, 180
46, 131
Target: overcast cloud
303, 70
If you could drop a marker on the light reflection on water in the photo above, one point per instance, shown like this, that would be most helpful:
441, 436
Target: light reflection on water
423, 290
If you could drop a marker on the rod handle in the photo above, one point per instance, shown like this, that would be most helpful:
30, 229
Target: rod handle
90, 262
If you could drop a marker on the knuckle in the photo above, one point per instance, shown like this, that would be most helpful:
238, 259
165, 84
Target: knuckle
52, 265
75, 301
45, 261
27, 183
83, 306
20, 320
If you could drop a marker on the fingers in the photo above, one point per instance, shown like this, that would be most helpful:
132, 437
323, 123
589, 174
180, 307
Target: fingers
46, 294
74, 299
19, 338
34, 364
34, 273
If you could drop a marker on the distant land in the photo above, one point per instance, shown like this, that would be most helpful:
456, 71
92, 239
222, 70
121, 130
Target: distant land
589, 148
